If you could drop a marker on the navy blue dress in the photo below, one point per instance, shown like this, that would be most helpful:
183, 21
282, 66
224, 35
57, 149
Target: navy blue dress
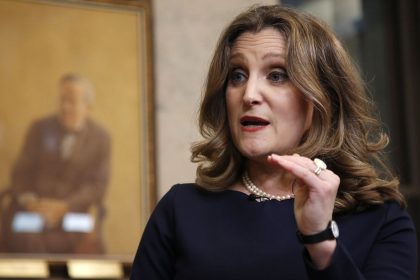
198, 235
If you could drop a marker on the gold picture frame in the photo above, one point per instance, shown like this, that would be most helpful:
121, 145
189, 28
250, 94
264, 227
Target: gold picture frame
110, 43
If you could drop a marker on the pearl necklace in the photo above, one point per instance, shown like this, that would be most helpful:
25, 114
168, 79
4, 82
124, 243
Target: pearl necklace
259, 192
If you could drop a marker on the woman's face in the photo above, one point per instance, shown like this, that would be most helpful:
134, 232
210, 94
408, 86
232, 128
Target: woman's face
267, 113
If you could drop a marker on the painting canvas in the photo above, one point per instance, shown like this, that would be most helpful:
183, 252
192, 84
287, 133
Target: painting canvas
86, 63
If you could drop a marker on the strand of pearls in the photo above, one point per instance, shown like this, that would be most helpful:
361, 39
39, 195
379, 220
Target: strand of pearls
259, 192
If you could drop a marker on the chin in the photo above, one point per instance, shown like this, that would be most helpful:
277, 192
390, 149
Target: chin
254, 153
70, 125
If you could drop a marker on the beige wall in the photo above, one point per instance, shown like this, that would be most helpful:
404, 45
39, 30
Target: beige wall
185, 33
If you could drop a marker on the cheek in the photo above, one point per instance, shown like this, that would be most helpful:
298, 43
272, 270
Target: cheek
293, 111
231, 105
300, 116
303, 111
232, 108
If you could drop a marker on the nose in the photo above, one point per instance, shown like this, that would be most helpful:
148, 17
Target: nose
252, 95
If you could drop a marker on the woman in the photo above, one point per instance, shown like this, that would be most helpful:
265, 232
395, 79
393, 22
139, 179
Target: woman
280, 92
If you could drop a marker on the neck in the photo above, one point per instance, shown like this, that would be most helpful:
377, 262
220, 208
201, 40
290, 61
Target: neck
269, 178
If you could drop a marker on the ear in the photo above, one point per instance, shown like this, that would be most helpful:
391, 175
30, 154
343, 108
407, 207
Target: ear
309, 114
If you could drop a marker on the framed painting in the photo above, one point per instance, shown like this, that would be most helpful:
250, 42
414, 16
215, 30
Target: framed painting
76, 126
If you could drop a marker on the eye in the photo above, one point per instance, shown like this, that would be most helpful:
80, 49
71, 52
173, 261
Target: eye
278, 76
237, 76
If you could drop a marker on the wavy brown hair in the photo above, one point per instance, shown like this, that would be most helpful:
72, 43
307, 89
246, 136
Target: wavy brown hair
345, 132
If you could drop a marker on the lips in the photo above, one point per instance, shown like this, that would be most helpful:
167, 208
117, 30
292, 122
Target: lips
252, 121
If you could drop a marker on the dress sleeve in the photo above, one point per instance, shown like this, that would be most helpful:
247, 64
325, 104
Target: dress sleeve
392, 256
155, 257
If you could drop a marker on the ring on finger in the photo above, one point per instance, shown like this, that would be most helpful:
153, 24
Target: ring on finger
320, 166
317, 171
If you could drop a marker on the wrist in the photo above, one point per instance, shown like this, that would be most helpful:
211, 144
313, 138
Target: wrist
330, 233
321, 253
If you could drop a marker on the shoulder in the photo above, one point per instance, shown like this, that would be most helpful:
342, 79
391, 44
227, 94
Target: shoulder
167, 206
181, 196
382, 213
395, 218
96, 128
191, 192
377, 221
387, 212
45, 123
180, 192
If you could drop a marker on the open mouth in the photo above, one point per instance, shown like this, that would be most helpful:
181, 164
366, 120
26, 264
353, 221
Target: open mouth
249, 121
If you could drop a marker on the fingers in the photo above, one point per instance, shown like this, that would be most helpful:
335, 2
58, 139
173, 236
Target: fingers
304, 169
301, 167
